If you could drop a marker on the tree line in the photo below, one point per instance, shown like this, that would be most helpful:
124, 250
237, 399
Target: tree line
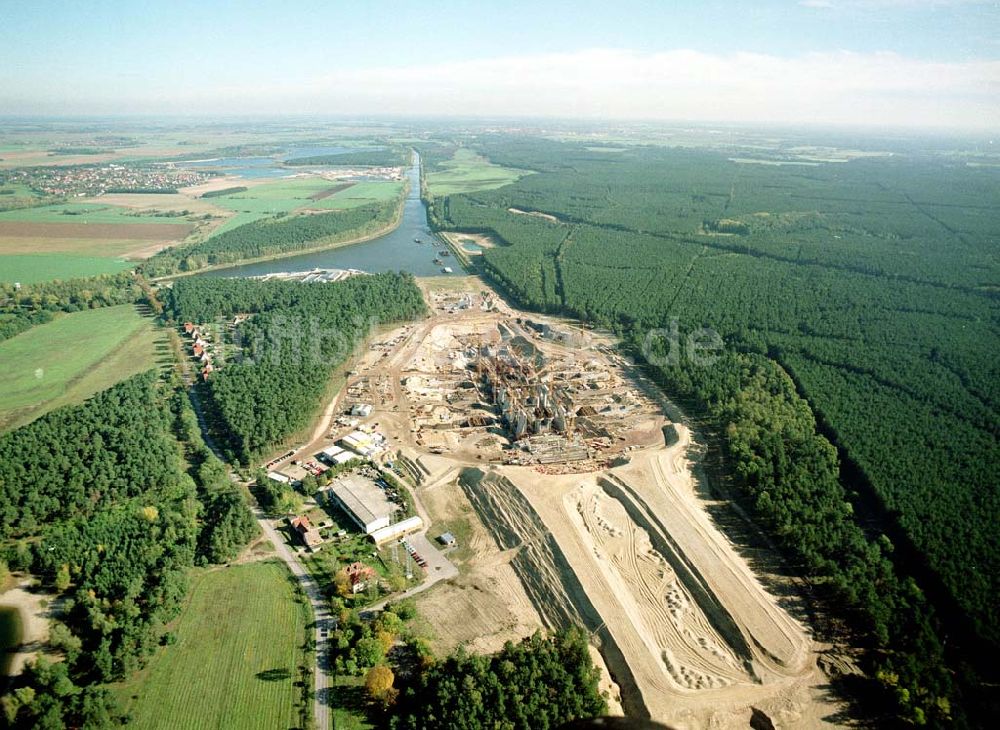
32, 304
388, 157
537, 683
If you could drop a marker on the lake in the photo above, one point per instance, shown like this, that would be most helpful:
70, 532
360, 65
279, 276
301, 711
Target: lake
395, 251
255, 168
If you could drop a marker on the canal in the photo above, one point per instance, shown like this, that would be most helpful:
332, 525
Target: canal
395, 251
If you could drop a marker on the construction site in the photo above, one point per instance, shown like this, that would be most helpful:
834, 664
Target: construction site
574, 491
496, 388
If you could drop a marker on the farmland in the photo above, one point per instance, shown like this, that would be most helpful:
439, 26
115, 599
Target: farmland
70, 359
359, 194
89, 213
466, 172
236, 659
268, 199
31, 268
87, 237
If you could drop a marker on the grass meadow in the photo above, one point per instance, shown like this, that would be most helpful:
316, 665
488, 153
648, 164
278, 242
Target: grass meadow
360, 194
33, 268
235, 662
466, 171
76, 355
261, 201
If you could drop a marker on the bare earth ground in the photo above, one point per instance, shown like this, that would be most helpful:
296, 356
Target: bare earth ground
480, 239
35, 610
486, 605
630, 553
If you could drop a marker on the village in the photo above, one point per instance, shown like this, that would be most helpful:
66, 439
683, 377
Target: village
96, 180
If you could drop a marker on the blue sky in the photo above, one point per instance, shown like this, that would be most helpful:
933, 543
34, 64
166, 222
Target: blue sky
424, 57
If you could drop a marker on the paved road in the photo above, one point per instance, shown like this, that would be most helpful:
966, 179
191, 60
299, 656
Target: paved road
323, 675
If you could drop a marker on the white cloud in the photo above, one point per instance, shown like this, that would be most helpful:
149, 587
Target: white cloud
825, 88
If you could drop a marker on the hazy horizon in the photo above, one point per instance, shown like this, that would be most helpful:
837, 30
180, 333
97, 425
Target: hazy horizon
916, 64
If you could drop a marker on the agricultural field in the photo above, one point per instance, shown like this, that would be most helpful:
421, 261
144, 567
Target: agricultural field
268, 199
468, 171
87, 233
30, 268
71, 358
236, 659
84, 213
359, 194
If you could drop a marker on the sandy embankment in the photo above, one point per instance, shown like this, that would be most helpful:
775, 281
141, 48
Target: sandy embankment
35, 610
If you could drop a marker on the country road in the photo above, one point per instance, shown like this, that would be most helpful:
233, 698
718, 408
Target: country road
322, 676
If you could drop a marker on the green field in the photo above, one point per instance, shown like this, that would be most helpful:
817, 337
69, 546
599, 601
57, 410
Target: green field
466, 171
33, 268
71, 358
235, 662
82, 213
260, 201
362, 193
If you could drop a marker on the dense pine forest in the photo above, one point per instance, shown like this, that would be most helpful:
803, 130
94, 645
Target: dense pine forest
857, 301
288, 350
272, 236
101, 502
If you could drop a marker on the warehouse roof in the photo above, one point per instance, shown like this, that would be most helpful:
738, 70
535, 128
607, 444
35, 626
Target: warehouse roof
363, 498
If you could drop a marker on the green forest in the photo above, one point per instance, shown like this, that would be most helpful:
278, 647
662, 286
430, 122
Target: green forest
858, 305
537, 684
104, 505
271, 236
299, 334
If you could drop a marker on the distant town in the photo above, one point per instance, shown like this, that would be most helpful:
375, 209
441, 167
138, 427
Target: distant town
94, 180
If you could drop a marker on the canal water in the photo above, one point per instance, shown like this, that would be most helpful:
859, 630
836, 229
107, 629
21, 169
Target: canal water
395, 251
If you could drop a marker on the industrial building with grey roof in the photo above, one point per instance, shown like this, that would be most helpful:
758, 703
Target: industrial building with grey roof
363, 501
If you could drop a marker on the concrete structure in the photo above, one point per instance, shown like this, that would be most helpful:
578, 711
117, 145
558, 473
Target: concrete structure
397, 530
363, 501
527, 404
446, 539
